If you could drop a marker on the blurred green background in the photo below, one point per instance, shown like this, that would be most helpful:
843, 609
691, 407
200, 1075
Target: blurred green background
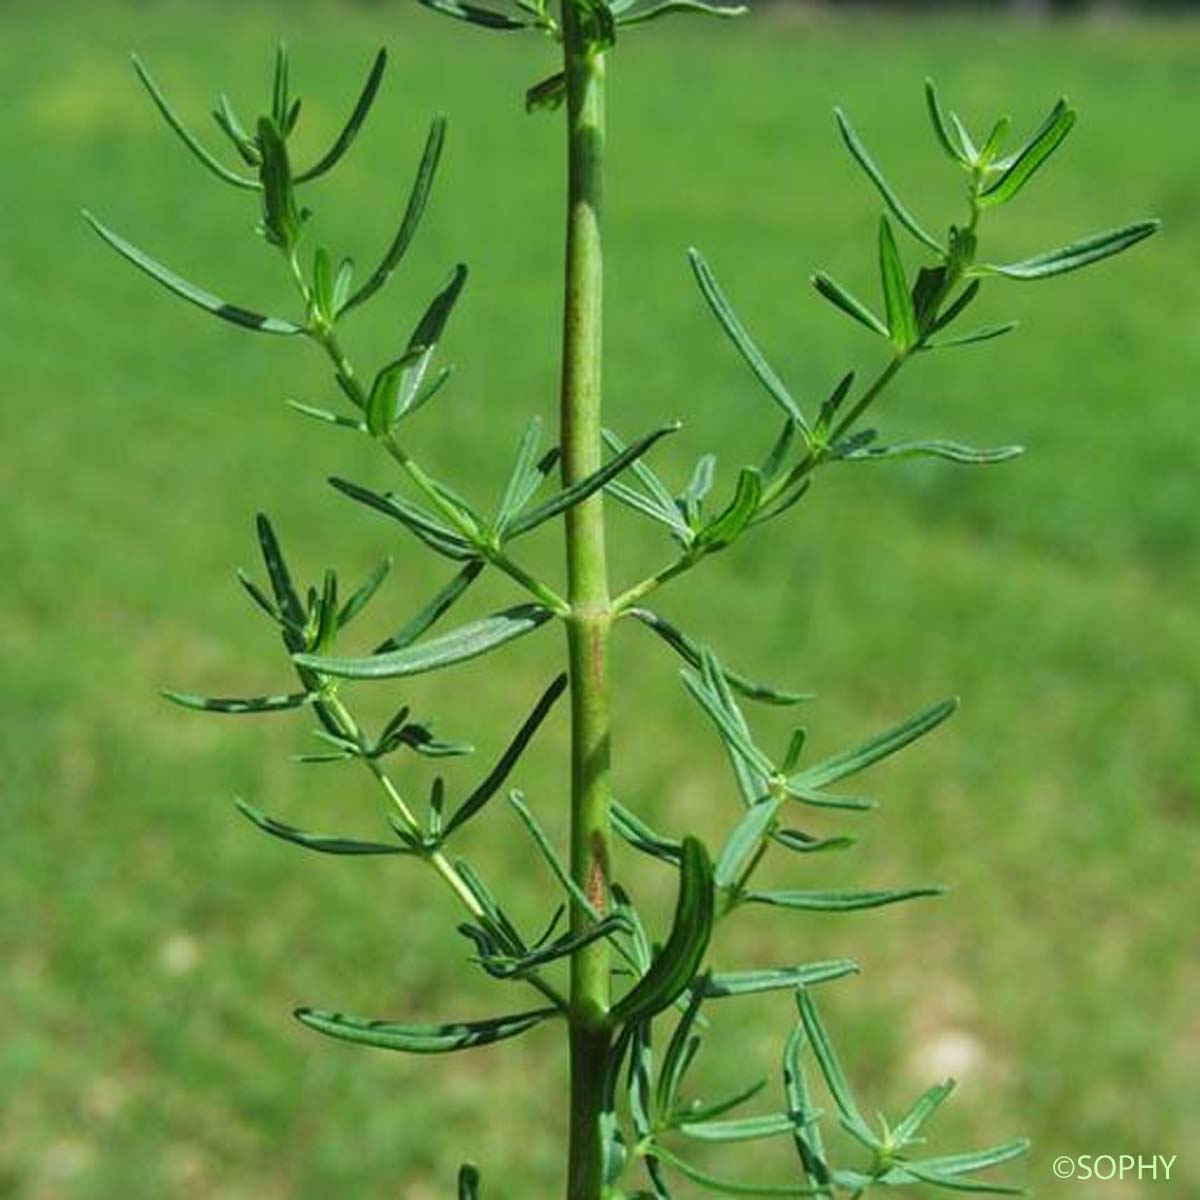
154, 943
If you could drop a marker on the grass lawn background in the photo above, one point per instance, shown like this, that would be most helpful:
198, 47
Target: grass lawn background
154, 943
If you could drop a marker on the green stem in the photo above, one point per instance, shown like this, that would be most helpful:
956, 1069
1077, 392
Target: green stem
589, 620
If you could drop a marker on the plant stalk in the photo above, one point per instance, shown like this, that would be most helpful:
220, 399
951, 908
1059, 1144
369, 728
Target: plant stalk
589, 620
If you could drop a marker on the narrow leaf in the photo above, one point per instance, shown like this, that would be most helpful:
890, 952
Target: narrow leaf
524, 476
580, 491
1031, 156
434, 610
641, 837
901, 317
741, 339
474, 14
951, 451
727, 1187
232, 313
864, 160
849, 304
670, 7
495, 778
466, 642
850, 762
810, 1145
237, 707
839, 901
940, 127
984, 333
517, 800
745, 983
362, 597
421, 1039
1078, 254
747, 836
286, 596
914, 1120
975, 1160
676, 965
727, 526
322, 843
411, 219
746, 1129
731, 733
350, 130
185, 135
418, 521
831, 1069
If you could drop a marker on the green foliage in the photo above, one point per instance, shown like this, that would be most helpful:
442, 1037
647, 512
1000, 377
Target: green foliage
671, 978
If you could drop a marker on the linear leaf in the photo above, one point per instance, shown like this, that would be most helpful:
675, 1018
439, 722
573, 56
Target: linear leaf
747, 836
232, 313
237, 707
745, 1129
466, 642
670, 7
708, 1112
951, 451
363, 596
741, 338
1031, 156
914, 1120
985, 333
848, 303
745, 983
476, 15
728, 525
641, 837
517, 800
436, 608
956, 1184
417, 520
831, 1069
658, 490
495, 778
321, 414
676, 965
864, 160
286, 596
850, 762
322, 843
524, 477
940, 127
728, 1187
1078, 254
580, 491
350, 130
421, 1039
734, 736
974, 1160
412, 216
839, 901
806, 843
821, 799
691, 652
185, 135
810, 1145
901, 316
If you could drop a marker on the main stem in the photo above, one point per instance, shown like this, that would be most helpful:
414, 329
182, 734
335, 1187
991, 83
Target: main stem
589, 620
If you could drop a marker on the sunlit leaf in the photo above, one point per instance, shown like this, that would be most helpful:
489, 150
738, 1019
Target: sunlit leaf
232, 313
